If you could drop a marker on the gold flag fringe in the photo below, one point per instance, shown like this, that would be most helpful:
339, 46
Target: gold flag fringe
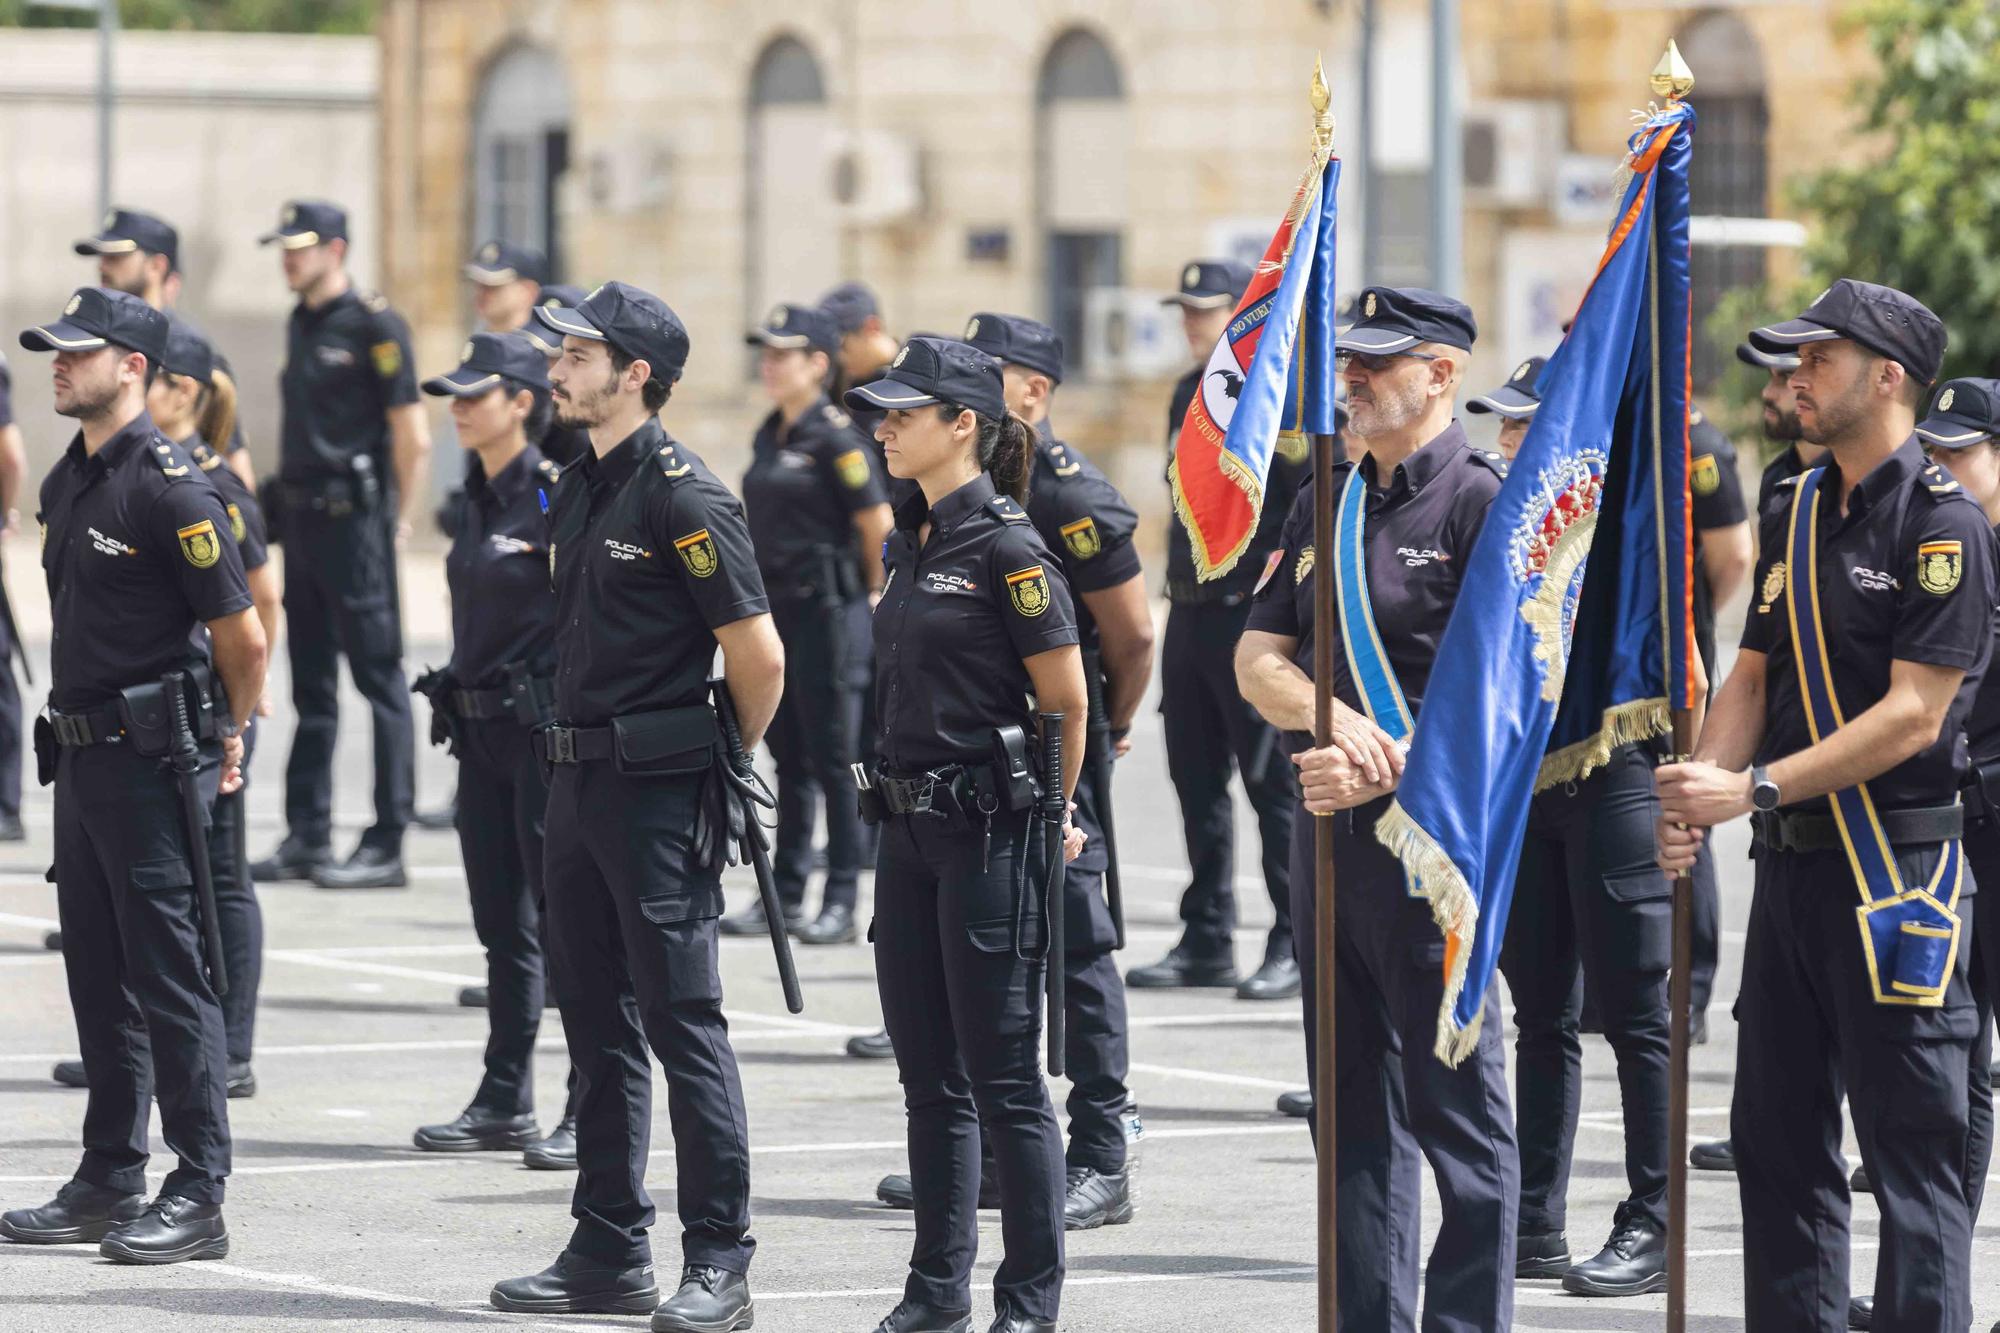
1214, 567
1438, 879
1638, 720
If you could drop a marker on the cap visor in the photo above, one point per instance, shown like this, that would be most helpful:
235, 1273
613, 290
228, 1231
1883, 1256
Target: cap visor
1751, 355
1781, 338
540, 338
461, 383
1951, 432
291, 240
1378, 341
490, 277
61, 337
105, 245
1509, 403
766, 338
892, 395
568, 322
1190, 302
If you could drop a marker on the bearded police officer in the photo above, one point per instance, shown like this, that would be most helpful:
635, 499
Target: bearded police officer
1842, 726
1210, 730
653, 570
138, 557
1422, 499
350, 466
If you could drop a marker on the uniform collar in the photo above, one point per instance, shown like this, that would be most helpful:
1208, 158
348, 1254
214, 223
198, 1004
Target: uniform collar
352, 296
774, 424
951, 510
197, 448
1422, 467
617, 467
1887, 477
116, 449
512, 481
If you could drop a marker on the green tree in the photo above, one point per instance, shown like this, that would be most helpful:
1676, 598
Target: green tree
326, 16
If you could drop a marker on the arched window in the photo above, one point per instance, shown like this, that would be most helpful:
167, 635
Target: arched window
792, 251
1730, 175
1083, 140
520, 152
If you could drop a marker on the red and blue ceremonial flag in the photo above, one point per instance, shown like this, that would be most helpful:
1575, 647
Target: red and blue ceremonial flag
1573, 629
1270, 378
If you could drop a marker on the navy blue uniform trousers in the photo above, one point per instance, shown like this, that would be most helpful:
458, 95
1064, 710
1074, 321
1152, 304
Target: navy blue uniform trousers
1397, 1104
1808, 1028
814, 740
237, 912
1096, 1045
1982, 853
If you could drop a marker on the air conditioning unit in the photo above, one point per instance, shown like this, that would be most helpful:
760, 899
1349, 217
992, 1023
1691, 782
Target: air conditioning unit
1129, 335
1511, 149
874, 176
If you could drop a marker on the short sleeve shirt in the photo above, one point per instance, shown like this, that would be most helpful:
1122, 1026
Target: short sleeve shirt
503, 606
246, 516
651, 556
1085, 522
1718, 503
136, 550
1906, 574
346, 364
805, 484
959, 615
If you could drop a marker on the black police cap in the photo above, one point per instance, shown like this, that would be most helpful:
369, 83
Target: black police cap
126, 230
1210, 284
187, 353
637, 323
487, 360
497, 263
1395, 319
1016, 340
804, 327
935, 370
1883, 320
98, 317
1963, 413
1752, 355
1518, 398
304, 222
850, 305
555, 295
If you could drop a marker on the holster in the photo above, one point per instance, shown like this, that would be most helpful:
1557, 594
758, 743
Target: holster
1009, 781
147, 712
664, 743
533, 697
271, 498
45, 752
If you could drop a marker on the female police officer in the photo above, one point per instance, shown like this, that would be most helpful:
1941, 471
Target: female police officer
486, 701
818, 508
975, 616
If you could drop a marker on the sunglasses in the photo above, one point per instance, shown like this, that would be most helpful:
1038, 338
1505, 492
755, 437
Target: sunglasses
1376, 362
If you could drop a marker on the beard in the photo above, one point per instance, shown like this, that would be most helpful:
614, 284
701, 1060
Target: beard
584, 408
1834, 420
1781, 427
85, 401
133, 286
1380, 412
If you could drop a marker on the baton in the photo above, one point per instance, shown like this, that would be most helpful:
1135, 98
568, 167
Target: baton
185, 760
1053, 809
1098, 754
748, 790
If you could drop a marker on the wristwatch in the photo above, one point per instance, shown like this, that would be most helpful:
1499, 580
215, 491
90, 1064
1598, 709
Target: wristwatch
1763, 792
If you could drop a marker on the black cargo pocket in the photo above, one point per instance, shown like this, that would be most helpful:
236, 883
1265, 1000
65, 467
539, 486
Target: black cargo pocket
997, 936
671, 909
161, 938
1639, 927
167, 872
684, 943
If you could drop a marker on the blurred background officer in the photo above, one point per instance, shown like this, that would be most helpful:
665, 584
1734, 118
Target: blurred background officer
975, 619
1210, 730
192, 400
818, 504
499, 686
1514, 403
137, 559
1880, 570
653, 571
866, 346
1402, 361
506, 285
350, 466
13, 469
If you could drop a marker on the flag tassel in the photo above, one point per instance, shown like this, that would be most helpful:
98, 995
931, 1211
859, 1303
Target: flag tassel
1626, 724
1453, 907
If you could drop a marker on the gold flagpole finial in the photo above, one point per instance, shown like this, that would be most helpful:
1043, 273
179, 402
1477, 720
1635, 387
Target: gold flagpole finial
1672, 79
1322, 105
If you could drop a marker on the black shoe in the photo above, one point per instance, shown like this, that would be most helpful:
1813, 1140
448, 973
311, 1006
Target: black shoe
11, 829
1715, 1155
911, 1317
1181, 968
240, 1081
444, 817
1013, 1321
573, 1286
472, 997
80, 1212
833, 925
1541, 1254
172, 1230
873, 1046
70, 1074
479, 1130
896, 1192
53, 943
1278, 979
750, 921
557, 1152
711, 1300
368, 868
1297, 1105
1632, 1263
1861, 1312
1859, 1183
1096, 1200
1698, 1029
292, 860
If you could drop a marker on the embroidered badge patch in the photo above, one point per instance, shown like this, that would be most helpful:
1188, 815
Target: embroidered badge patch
1774, 587
388, 357
1706, 477
1939, 565
1082, 538
200, 544
1030, 590
698, 553
853, 469
1304, 567
237, 528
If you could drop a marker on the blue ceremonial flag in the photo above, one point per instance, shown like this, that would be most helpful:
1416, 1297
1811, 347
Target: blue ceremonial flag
1552, 659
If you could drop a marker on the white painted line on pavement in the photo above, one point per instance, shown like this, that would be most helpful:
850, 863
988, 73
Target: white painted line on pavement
310, 958
1095, 1280
29, 922
1207, 1076
1283, 1014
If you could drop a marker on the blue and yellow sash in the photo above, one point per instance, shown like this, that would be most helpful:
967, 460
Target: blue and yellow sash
1374, 679
1909, 937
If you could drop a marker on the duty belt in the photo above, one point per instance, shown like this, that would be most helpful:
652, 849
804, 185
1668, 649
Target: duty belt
1192, 592
572, 745
1799, 832
95, 726
483, 705
914, 796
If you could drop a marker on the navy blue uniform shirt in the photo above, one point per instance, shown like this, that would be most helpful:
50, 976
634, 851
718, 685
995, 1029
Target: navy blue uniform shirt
503, 609
346, 364
1718, 503
1084, 521
246, 516
804, 486
136, 548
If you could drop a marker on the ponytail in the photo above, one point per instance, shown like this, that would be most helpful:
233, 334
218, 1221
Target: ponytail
1003, 446
215, 417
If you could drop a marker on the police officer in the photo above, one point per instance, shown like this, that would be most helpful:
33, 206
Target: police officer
1515, 403
13, 468
561, 443
975, 618
653, 570
499, 686
1427, 493
137, 560
818, 504
351, 465
1842, 726
1210, 730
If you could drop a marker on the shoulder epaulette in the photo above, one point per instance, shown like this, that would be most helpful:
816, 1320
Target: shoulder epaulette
170, 459
1695, 418
1937, 480
1007, 509
1062, 462
374, 302
836, 418
1792, 480
671, 463
547, 467
1497, 462
206, 458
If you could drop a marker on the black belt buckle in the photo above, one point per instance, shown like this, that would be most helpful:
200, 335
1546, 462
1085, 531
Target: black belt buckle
560, 745
918, 794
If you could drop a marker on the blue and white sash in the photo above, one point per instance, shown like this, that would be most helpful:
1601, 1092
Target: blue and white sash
1908, 936
1374, 679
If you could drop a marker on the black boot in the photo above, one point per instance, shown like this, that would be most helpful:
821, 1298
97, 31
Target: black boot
480, 1130
80, 1212
70, 1074
1010, 1320
1715, 1155
369, 868
833, 925
710, 1300
1095, 1199
912, 1317
576, 1286
53, 943
472, 997
896, 1192
292, 860
1277, 979
872, 1046
1632, 1263
557, 1152
1859, 1183
1541, 1254
1861, 1312
172, 1230
750, 921
1182, 968
240, 1081
1298, 1105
